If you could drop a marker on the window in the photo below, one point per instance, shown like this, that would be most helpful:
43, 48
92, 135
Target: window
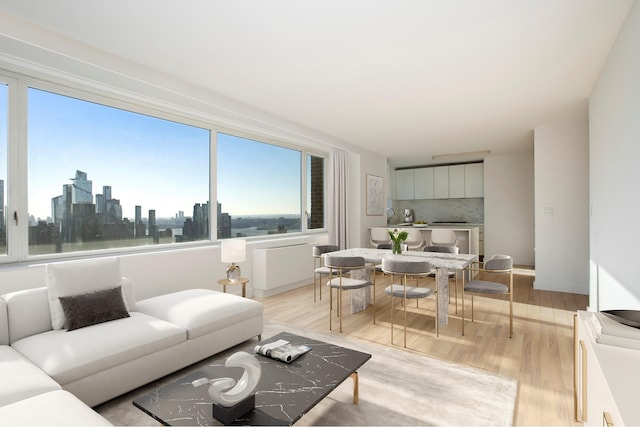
90, 173
101, 177
259, 188
4, 117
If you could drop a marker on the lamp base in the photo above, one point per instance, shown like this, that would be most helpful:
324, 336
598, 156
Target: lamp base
233, 272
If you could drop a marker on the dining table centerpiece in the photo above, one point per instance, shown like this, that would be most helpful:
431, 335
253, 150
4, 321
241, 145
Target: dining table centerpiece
397, 238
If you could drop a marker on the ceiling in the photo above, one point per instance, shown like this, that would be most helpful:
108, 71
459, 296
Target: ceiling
408, 79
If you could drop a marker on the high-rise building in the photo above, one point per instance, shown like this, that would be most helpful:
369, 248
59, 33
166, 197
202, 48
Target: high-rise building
106, 191
153, 228
82, 189
100, 205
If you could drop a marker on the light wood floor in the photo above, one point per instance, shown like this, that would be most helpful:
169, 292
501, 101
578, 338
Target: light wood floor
539, 356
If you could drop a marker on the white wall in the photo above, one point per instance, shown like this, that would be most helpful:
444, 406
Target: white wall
509, 207
614, 173
371, 165
561, 153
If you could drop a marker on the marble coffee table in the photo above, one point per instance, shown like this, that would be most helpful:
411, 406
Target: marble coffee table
284, 394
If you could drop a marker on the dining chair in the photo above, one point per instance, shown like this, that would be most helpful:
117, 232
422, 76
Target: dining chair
451, 273
379, 235
339, 266
495, 266
443, 237
319, 268
415, 240
406, 269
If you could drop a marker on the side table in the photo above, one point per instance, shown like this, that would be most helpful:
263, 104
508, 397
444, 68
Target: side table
241, 281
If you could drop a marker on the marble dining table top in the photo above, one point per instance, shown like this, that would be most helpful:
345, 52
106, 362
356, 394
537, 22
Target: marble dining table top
436, 259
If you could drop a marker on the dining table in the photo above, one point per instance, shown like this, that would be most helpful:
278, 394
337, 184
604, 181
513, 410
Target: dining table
443, 262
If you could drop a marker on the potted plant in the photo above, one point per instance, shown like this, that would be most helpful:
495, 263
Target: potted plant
397, 238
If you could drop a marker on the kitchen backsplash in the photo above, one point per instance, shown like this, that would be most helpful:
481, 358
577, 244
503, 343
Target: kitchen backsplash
470, 210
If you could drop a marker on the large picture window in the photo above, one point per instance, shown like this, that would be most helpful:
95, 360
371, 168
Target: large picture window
259, 188
83, 173
101, 177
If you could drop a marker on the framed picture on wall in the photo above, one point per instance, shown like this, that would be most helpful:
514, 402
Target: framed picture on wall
375, 195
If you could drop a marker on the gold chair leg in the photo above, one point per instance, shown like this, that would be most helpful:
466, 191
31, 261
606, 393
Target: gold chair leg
472, 306
462, 303
405, 311
392, 315
330, 306
511, 304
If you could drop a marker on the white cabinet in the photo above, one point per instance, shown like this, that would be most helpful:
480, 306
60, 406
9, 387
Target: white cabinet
423, 183
456, 182
405, 184
605, 379
474, 180
441, 182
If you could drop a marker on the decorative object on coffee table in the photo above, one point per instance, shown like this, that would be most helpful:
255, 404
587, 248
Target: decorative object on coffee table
233, 251
232, 399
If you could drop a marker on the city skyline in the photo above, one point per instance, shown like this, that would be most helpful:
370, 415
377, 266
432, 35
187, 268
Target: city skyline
153, 162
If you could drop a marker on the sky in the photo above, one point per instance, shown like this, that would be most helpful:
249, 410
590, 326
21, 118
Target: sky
151, 162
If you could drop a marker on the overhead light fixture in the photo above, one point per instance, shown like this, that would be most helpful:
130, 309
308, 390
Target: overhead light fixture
459, 155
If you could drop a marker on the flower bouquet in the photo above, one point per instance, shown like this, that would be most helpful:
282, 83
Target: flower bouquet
397, 238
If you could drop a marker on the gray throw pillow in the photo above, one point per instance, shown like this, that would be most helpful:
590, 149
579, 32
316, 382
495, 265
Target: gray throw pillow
92, 308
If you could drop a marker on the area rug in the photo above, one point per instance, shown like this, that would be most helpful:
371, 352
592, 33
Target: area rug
397, 388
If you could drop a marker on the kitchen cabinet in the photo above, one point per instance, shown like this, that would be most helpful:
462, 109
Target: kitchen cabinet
441, 182
456, 182
474, 180
605, 375
405, 184
423, 183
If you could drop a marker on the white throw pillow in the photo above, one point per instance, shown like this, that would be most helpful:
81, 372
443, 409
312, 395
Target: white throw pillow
78, 277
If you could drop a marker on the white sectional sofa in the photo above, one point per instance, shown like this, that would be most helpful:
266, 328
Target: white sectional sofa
43, 362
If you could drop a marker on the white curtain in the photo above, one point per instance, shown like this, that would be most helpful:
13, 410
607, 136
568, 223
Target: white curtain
338, 198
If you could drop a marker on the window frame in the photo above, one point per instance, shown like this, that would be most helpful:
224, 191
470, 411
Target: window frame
17, 161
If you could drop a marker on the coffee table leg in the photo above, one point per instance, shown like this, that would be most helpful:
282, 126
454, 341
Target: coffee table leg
356, 394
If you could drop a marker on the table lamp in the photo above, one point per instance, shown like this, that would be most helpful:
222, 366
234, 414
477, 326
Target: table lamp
233, 251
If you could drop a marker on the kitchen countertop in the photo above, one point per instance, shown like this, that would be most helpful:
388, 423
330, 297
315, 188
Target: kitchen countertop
458, 225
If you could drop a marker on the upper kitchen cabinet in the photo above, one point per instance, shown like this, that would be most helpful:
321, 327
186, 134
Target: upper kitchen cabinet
405, 184
441, 182
423, 183
474, 180
456, 182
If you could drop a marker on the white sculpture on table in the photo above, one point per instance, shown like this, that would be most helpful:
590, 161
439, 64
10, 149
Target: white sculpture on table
226, 391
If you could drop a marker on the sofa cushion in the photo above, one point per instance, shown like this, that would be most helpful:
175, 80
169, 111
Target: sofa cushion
21, 378
200, 311
28, 312
68, 356
92, 308
55, 408
77, 277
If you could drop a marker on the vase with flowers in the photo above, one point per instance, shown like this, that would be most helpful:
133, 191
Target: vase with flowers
397, 238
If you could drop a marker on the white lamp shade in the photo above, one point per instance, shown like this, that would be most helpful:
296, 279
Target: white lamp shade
234, 250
